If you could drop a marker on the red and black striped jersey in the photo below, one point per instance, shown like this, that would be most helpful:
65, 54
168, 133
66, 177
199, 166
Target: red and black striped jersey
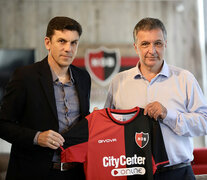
116, 144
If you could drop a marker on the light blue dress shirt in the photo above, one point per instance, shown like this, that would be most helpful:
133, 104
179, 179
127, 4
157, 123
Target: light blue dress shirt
179, 92
67, 102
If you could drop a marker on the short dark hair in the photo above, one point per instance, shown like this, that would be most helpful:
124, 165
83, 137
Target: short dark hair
148, 24
61, 23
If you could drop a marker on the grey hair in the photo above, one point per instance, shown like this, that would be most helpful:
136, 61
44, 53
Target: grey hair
148, 24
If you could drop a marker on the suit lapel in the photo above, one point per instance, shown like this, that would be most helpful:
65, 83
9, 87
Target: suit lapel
47, 84
79, 87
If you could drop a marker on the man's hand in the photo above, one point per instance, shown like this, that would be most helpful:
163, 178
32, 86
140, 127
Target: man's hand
50, 139
155, 110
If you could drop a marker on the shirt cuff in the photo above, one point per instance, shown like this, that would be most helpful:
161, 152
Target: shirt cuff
36, 137
170, 119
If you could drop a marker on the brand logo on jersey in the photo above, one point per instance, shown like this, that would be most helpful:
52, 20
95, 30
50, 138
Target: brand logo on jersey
141, 139
107, 140
128, 171
102, 64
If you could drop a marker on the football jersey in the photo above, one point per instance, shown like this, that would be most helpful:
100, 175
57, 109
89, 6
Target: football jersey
116, 144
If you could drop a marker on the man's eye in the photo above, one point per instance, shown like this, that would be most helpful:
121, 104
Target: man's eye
159, 44
145, 44
62, 41
74, 43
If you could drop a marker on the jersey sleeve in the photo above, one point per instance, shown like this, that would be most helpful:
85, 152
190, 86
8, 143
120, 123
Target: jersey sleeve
159, 153
76, 143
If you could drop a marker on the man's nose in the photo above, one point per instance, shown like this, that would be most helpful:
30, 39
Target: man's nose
68, 46
152, 49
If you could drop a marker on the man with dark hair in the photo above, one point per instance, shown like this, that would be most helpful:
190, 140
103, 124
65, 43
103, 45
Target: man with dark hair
41, 102
168, 94
60, 23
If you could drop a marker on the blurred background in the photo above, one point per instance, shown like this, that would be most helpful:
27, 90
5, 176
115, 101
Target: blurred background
107, 29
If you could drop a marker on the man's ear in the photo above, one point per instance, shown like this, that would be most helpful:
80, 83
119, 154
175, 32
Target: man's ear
136, 49
165, 43
47, 43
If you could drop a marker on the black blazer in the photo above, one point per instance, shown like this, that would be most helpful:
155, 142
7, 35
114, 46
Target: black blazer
28, 107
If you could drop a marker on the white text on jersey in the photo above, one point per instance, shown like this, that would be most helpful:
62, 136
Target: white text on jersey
107, 140
123, 160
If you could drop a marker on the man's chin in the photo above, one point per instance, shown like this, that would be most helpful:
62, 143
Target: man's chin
152, 63
66, 58
65, 65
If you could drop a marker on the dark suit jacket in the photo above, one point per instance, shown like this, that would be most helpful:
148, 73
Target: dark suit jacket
28, 107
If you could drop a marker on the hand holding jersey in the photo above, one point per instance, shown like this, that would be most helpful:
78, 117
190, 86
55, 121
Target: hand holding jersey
155, 110
50, 139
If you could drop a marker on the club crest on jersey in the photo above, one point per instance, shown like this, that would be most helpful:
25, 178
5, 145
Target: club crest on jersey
142, 139
102, 64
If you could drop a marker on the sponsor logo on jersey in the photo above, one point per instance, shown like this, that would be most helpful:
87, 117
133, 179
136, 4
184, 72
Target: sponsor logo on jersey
102, 64
128, 171
142, 139
111, 161
107, 140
